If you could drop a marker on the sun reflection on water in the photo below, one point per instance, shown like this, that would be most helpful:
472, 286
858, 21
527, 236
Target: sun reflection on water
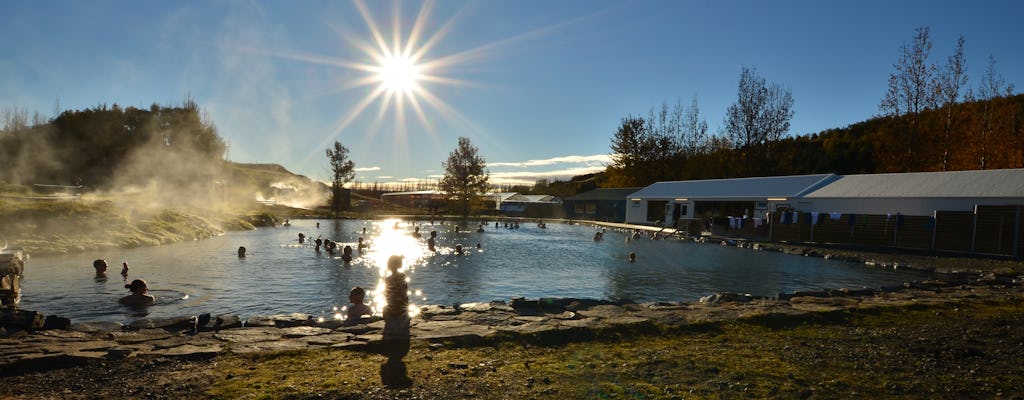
395, 237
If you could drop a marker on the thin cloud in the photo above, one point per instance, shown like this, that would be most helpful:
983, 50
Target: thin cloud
530, 177
366, 169
594, 159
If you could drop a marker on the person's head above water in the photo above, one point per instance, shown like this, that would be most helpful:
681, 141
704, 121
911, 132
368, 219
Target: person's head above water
394, 263
137, 286
100, 265
241, 251
357, 295
138, 296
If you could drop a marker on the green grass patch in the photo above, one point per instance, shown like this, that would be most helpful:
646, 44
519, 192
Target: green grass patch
905, 352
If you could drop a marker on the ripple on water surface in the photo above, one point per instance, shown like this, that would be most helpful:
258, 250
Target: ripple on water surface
279, 275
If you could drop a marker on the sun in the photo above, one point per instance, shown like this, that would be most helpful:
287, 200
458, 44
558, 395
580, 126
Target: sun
399, 74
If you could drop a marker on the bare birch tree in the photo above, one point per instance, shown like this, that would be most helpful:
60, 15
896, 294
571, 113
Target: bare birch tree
949, 82
910, 89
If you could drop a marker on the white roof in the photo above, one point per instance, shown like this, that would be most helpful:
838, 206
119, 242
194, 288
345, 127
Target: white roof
531, 198
747, 188
418, 192
502, 196
989, 183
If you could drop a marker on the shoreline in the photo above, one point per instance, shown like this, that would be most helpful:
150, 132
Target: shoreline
224, 356
475, 327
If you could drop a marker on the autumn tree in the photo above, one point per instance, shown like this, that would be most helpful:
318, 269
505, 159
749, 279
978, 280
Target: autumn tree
465, 175
342, 172
759, 117
910, 92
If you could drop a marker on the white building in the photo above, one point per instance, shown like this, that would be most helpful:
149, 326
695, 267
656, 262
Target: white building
665, 202
916, 193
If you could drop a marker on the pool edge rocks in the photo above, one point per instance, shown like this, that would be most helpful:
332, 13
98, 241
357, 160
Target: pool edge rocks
533, 321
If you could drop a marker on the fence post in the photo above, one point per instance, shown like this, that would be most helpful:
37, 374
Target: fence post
895, 229
811, 219
974, 229
935, 226
1016, 234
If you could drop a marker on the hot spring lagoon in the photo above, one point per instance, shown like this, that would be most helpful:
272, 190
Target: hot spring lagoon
917, 340
280, 275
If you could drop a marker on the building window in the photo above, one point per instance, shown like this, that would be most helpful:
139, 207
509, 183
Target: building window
635, 202
656, 210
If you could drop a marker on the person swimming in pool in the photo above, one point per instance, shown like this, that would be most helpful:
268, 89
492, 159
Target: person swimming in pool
139, 297
346, 254
357, 310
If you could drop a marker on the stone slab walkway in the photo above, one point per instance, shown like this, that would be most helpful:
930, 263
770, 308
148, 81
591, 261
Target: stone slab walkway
540, 320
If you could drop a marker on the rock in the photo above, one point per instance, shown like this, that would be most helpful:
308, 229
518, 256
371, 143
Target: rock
303, 331
429, 312
118, 353
726, 298
96, 327
139, 336
282, 320
249, 335
55, 322
173, 324
221, 322
27, 320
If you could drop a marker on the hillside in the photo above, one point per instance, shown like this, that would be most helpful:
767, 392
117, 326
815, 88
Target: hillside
984, 134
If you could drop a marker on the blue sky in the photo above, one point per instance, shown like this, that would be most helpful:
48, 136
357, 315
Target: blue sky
538, 86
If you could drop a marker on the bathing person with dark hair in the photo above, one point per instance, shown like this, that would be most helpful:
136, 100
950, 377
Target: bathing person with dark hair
318, 243
431, 241
124, 269
357, 309
346, 254
138, 296
241, 252
458, 249
302, 238
362, 244
101, 268
632, 257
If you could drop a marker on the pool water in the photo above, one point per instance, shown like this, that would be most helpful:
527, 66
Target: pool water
279, 275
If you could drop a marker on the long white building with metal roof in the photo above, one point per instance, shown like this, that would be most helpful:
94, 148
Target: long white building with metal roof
976, 212
916, 193
665, 202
